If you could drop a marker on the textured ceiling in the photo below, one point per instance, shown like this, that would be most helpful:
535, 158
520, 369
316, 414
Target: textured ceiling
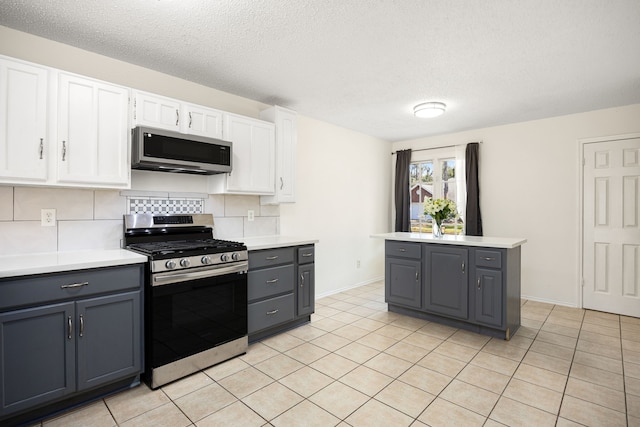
363, 64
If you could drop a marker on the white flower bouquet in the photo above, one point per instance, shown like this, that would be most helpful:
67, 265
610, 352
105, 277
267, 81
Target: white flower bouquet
440, 209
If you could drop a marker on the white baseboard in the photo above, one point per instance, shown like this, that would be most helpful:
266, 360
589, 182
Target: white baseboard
548, 301
346, 288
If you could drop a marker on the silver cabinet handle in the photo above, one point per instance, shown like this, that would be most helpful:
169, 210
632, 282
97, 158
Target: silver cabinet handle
69, 327
271, 258
190, 120
41, 147
402, 249
177, 117
64, 150
308, 254
463, 267
488, 258
269, 313
272, 281
81, 325
302, 280
74, 285
281, 183
417, 276
478, 283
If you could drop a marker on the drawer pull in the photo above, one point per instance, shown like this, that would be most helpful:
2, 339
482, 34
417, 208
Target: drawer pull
402, 249
486, 258
269, 313
74, 285
69, 327
308, 255
271, 258
81, 325
272, 281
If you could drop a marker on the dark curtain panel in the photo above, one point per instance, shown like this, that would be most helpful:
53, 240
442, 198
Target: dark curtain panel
472, 215
403, 160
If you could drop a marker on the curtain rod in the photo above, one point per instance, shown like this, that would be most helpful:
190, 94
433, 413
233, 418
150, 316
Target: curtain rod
435, 148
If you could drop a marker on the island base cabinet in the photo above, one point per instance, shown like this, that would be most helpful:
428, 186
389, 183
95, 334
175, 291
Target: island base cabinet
472, 288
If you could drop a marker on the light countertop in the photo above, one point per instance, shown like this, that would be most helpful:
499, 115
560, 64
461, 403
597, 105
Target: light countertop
270, 242
461, 240
53, 262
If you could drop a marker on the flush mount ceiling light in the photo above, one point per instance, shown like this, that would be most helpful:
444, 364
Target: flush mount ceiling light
429, 109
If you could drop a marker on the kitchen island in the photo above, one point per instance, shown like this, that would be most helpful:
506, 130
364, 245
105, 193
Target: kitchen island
467, 282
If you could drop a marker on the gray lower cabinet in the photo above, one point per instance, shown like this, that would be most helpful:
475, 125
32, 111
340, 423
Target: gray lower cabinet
52, 350
474, 288
403, 273
445, 280
281, 289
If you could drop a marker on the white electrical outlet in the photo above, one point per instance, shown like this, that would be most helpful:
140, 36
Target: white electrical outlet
250, 215
48, 217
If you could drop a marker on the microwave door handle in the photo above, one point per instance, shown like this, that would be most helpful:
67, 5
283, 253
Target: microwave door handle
174, 169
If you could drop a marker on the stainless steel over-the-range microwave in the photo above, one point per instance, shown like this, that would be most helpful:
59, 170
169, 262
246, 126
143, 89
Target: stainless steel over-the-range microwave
167, 151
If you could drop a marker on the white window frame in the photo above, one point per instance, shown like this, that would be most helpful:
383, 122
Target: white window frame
436, 156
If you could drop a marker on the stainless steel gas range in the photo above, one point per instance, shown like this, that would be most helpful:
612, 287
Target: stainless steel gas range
195, 295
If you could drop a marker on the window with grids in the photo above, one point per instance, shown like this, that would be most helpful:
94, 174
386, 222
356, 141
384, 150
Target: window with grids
436, 178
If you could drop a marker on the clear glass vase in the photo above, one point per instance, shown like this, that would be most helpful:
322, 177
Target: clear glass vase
437, 229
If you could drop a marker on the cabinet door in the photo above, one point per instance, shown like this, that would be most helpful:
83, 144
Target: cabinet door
156, 111
402, 279
92, 133
109, 338
286, 142
306, 289
253, 155
446, 286
201, 121
488, 297
23, 122
37, 356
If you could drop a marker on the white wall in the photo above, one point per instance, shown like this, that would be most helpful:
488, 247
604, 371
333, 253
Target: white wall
529, 187
342, 198
342, 182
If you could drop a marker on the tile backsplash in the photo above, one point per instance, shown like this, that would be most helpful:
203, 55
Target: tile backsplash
92, 219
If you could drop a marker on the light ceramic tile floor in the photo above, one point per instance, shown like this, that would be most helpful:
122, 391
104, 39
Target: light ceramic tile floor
356, 364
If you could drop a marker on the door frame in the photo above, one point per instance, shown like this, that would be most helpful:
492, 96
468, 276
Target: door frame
581, 163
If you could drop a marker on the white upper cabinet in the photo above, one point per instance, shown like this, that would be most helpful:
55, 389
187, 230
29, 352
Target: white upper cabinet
286, 141
253, 161
171, 114
92, 133
198, 120
23, 122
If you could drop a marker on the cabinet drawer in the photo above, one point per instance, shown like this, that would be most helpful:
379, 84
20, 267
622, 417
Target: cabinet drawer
30, 290
488, 258
270, 281
270, 257
306, 255
264, 314
402, 249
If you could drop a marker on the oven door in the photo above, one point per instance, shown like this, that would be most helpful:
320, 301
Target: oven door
192, 312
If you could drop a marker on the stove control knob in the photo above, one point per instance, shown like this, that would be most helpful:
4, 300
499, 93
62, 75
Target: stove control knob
224, 257
171, 264
206, 260
235, 256
185, 262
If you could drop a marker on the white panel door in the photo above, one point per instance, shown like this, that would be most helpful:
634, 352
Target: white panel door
156, 111
23, 122
202, 121
611, 234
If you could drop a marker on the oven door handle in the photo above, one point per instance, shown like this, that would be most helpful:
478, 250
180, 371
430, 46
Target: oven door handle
166, 279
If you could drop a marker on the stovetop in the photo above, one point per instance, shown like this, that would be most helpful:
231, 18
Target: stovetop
210, 246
